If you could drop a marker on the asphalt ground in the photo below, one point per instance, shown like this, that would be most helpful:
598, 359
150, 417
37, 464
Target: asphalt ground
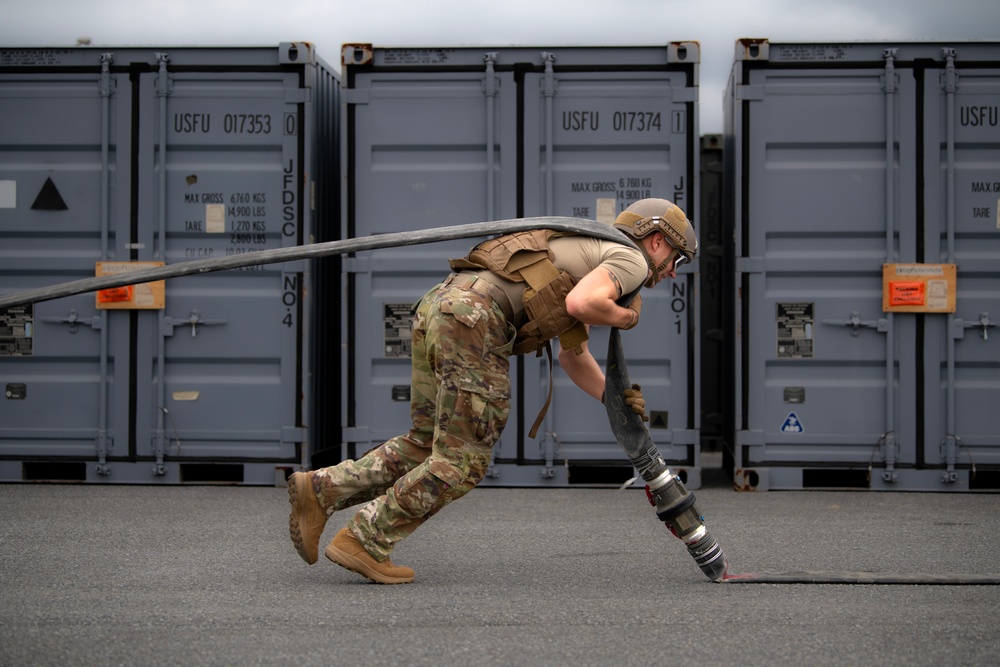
140, 575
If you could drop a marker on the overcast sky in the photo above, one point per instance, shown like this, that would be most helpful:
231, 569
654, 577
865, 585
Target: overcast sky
716, 24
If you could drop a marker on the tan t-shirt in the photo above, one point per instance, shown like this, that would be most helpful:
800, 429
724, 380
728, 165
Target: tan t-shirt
579, 255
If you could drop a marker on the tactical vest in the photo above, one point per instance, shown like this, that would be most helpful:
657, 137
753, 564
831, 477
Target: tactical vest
524, 257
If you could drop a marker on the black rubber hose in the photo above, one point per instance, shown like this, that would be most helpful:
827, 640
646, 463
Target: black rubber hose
628, 427
278, 255
883, 578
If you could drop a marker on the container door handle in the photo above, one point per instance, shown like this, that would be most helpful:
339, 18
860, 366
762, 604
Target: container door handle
881, 325
983, 324
74, 321
194, 321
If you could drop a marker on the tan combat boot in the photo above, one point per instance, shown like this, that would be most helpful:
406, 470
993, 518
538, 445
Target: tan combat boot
306, 523
346, 551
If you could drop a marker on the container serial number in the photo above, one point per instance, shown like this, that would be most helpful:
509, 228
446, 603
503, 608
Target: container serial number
246, 123
621, 121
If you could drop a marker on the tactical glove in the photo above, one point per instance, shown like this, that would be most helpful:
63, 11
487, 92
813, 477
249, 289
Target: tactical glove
634, 399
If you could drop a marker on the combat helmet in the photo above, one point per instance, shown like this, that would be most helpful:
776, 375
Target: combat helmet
651, 215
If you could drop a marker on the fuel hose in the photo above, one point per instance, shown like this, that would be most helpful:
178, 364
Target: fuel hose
316, 250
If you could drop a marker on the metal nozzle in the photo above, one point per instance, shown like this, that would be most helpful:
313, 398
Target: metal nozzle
708, 555
675, 506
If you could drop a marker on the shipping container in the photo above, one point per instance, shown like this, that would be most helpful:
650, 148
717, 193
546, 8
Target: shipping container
861, 186
435, 137
115, 159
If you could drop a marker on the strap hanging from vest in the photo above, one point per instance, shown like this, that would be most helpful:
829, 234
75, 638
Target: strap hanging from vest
548, 399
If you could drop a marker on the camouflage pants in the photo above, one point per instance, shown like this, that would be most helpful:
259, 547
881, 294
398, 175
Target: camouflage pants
459, 404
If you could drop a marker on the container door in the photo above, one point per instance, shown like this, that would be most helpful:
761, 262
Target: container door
828, 167
61, 363
219, 366
594, 143
427, 148
962, 227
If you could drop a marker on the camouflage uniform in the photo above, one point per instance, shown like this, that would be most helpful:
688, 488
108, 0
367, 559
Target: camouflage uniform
460, 401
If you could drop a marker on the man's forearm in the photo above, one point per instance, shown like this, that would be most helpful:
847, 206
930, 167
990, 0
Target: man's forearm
584, 371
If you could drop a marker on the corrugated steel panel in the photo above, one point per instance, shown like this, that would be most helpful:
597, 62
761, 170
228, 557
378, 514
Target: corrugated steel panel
436, 137
835, 164
164, 156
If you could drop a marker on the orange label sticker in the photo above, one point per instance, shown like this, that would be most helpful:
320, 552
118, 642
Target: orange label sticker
918, 288
139, 296
906, 293
115, 294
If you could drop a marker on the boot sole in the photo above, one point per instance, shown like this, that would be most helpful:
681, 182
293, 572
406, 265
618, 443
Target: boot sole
294, 526
358, 566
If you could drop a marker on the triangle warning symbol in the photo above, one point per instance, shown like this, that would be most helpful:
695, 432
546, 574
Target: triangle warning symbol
48, 198
657, 419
